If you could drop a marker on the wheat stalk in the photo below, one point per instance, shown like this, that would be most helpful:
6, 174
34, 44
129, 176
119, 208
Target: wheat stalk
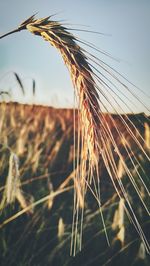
94, 131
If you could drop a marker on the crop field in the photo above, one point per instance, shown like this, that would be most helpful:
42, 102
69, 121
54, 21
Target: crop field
74, 183
37, 180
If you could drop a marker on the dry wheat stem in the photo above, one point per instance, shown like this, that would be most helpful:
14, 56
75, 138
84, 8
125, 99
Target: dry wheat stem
94, 132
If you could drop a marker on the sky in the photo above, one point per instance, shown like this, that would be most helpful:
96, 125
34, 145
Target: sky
126, 37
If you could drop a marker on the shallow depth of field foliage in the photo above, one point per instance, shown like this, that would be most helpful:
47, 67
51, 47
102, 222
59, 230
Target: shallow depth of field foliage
75, 180
36, 160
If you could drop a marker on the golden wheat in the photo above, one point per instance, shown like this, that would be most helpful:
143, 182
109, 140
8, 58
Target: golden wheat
12, 189
95, 138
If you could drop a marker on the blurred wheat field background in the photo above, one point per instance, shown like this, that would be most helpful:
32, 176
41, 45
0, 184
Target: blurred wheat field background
88, 162
42, 138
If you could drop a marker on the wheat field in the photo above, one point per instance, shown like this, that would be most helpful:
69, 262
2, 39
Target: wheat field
85, 161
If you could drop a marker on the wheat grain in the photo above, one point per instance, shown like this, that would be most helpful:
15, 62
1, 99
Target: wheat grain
61, 229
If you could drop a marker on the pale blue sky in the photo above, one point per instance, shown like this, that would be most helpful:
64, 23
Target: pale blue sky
128, 23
